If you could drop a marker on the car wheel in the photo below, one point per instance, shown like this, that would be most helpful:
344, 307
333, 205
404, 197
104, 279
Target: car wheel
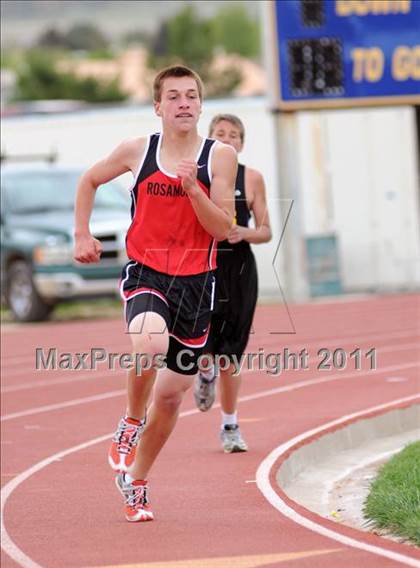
22, 296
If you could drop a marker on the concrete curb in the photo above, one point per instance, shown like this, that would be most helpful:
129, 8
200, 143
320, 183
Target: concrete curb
310, 473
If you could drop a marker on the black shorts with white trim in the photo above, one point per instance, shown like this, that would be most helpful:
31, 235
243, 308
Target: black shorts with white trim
184, 302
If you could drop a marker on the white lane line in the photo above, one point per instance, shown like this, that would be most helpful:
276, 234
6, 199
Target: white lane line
9, 545
94, 375
302, 384
328, 342
59, 405
264, 485
286, 388
277, 390
12, 363
360, 338
12, 366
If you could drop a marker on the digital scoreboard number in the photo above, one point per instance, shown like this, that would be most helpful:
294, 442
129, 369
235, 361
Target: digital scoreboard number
336, 53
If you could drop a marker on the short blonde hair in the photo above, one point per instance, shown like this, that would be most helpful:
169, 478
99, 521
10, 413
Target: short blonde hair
175, 71
233, 119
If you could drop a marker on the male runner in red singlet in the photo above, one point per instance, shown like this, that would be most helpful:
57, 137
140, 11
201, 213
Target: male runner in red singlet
182, 202
236, 287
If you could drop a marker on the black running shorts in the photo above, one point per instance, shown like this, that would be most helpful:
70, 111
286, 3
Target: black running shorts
235, 302
184, 302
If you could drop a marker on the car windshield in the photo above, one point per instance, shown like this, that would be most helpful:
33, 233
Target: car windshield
38, 192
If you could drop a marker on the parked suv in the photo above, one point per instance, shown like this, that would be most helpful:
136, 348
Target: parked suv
37, 222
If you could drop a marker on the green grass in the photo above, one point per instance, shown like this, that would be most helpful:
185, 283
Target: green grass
89, 309
77, 310
393, 503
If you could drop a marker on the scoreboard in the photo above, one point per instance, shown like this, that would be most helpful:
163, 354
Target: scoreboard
337, 53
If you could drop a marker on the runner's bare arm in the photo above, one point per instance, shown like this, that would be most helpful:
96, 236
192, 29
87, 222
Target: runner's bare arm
123, 159
254, 182
215, 214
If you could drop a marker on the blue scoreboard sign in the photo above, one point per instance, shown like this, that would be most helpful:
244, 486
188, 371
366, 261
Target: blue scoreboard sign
331, 53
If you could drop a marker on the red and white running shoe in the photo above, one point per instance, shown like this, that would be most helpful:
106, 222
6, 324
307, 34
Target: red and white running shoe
137, 506
124, 444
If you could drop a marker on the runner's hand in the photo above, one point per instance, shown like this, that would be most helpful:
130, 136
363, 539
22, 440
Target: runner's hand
187, 173
87, 249
236, 234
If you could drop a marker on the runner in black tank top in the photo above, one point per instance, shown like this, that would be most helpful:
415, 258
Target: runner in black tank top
236, 287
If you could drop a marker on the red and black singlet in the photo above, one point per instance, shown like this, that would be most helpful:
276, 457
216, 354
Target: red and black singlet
165, 233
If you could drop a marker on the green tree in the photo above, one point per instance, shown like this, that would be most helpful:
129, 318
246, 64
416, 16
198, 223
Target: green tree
136, 37
11, 58
86, 37
235, 31
222, 83
184, 38
39, 79
188, 39
52, 38
159, 45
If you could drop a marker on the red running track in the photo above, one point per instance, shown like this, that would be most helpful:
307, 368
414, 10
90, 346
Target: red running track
61, 508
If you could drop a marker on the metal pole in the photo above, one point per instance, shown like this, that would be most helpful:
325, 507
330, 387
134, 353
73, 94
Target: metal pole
294, 273
291, 256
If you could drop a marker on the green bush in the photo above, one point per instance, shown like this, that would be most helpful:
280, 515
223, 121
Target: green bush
38, 79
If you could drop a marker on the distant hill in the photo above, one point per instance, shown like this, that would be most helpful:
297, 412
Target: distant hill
22, 21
